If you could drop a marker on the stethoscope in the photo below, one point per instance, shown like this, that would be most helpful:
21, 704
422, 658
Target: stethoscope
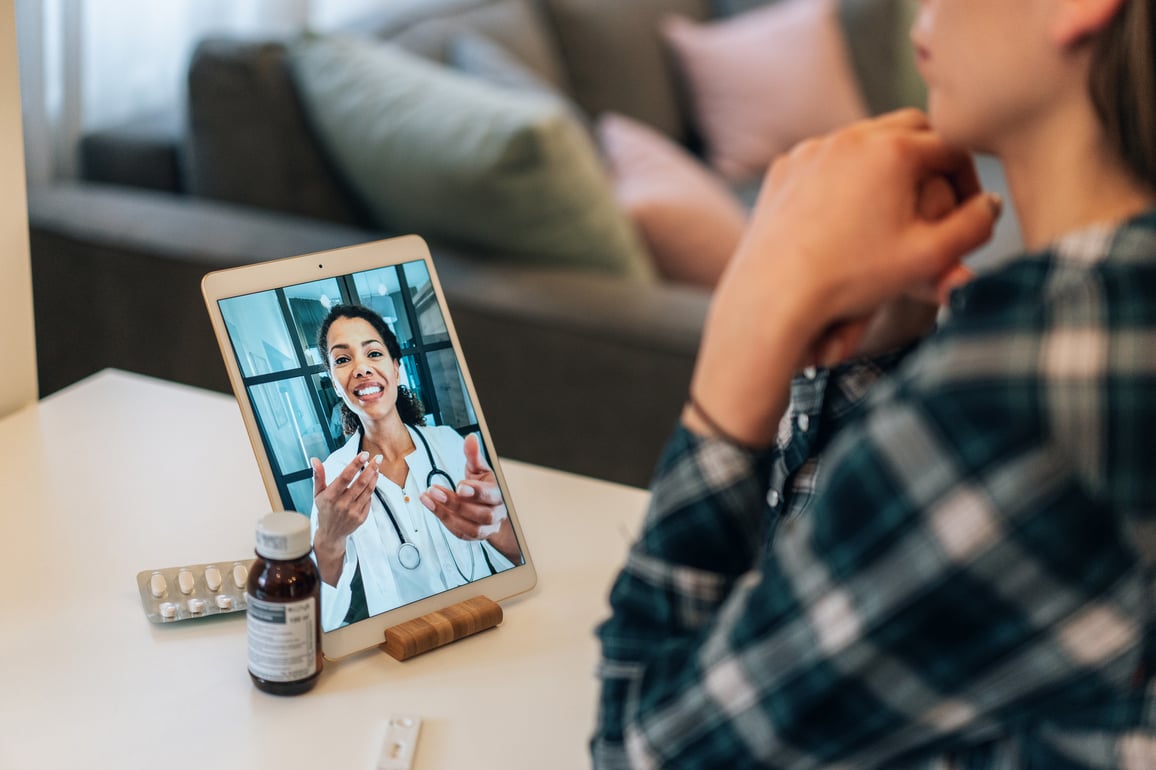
408, 554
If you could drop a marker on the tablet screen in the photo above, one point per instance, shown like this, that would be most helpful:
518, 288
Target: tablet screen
367, 423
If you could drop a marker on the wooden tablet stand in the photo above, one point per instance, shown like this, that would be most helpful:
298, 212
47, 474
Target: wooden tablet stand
438, 629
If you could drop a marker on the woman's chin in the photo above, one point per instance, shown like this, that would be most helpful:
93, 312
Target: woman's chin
372, 411
956, 129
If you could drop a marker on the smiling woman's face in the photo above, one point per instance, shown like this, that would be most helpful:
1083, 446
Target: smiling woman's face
363, 373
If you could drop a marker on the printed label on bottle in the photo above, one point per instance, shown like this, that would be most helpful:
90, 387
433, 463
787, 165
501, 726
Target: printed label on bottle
282, 639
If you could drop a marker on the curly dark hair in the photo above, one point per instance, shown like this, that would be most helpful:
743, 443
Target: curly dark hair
409, 406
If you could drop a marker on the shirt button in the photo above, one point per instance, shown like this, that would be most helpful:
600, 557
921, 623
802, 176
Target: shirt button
810, 372
804, 422
773, 498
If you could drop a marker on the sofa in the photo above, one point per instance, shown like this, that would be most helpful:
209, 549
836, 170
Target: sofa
576, 367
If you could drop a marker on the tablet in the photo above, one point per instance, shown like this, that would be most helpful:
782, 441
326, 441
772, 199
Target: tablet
349, 354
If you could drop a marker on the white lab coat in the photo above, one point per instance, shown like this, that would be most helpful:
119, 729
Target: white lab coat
446, 561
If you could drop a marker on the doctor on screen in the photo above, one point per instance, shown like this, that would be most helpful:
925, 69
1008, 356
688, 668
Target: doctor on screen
402, 511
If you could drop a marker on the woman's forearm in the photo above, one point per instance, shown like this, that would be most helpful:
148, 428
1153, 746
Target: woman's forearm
506, 543
330, 558
736, 393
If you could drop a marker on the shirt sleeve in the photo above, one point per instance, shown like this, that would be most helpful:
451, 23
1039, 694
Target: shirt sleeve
948, 581
822, 403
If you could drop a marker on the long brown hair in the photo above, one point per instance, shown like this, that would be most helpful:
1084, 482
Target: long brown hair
1123, 85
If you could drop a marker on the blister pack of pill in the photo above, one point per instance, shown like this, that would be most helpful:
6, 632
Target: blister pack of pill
193, 590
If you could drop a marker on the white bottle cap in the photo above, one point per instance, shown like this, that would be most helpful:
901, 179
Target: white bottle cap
283, 535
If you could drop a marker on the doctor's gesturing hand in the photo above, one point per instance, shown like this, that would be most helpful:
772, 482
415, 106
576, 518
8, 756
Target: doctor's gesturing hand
342, 507
475, 510
837, 234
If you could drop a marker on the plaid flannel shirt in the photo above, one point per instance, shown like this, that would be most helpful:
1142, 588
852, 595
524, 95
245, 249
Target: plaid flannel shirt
954, 571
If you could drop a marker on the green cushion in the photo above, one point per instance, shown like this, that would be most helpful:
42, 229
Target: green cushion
475, 54
478, 56
427, 27
456, 159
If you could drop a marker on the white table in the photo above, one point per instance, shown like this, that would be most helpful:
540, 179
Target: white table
122, 473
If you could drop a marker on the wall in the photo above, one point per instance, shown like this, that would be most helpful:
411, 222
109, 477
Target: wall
17, 338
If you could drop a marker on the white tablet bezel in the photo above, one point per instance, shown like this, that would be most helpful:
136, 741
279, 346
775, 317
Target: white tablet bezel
264, 276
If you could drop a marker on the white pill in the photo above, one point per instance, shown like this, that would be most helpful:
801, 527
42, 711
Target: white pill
186, 581
197, 606
168, 610
224, 601
240, 575
158, 585
213, 578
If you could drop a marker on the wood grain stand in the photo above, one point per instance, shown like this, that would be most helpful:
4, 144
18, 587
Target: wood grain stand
438, 629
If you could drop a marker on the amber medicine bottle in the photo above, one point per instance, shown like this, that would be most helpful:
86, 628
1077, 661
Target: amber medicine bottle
284, 613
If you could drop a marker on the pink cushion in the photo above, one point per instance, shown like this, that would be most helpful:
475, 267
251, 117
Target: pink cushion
764, 80
689, 219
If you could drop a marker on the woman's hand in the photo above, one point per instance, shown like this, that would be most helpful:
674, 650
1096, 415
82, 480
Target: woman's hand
835, 235
908, 317
342, 507
475, 510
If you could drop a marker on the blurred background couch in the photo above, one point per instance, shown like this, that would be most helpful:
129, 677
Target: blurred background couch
580, 169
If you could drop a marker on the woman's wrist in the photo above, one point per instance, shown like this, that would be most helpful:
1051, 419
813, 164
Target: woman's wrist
697, 419
330, 557
741, 382
504, 541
